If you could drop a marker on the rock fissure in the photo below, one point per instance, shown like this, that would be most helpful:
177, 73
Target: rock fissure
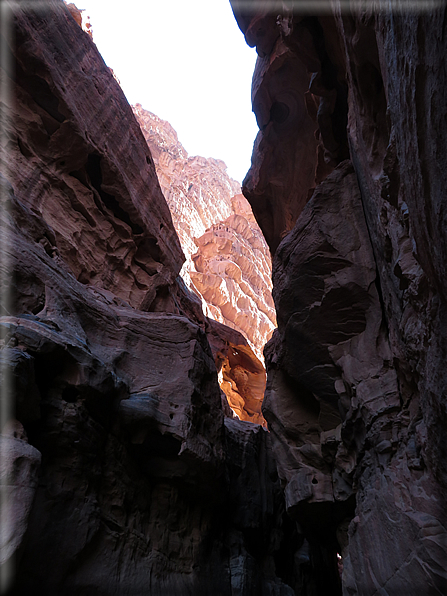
227, 261
123, 467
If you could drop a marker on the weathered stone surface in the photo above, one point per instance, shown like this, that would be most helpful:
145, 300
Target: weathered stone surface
277, 185
232, 272
227, 260
330, 323
299, 99
227, 263
241, 375
197, 189
92, 179
329, 346
139, 471
396, 150
19, 466
75, 13
142, 486
356, 373
111, 469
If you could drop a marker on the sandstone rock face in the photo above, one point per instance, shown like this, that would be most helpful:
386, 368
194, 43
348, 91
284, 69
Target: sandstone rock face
111, 188
227, 263
299, 99
126, 478
241, 375
232, 272
197, 190
356, 373
227, 260
18, 473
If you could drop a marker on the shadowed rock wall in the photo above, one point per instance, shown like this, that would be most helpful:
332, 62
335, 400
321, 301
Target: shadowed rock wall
120, 474
348, 186
119, 470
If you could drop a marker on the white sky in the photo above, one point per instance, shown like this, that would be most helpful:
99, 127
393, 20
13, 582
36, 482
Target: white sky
187, 62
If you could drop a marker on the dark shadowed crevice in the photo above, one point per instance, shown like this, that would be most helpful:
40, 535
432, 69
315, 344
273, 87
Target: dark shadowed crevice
93, 169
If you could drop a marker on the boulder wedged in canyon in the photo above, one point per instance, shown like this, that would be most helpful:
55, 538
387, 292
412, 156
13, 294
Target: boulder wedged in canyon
356, 377
122, 473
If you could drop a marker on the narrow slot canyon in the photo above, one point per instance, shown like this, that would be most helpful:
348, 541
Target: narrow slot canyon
225, 387
227, 262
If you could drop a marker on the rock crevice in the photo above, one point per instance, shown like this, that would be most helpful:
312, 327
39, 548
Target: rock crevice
122, 468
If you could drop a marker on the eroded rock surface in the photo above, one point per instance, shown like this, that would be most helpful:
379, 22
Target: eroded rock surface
232, 272
356, 373
197, 189
227, 260
106, 182
18, 476
126, 477
241, 375
227, 263
299, 99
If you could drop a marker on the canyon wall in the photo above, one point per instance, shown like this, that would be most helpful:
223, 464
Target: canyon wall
120, 473
348, 185
227, 264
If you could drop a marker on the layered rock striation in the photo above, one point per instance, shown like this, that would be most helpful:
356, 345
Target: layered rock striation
227, 262
348, 187
197, 189
120, 473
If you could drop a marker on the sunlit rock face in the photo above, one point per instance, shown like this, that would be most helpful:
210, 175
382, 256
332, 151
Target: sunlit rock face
197, 190
356, 369
227, 263
232, 271
227, 260
241, 374
120, 473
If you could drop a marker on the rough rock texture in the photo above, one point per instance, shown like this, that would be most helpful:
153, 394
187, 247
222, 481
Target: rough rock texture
105, 182
227, 263
241, 375
232, 272
18, 476
300, 108
143, 485
356, 383
227, 260
197, 189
